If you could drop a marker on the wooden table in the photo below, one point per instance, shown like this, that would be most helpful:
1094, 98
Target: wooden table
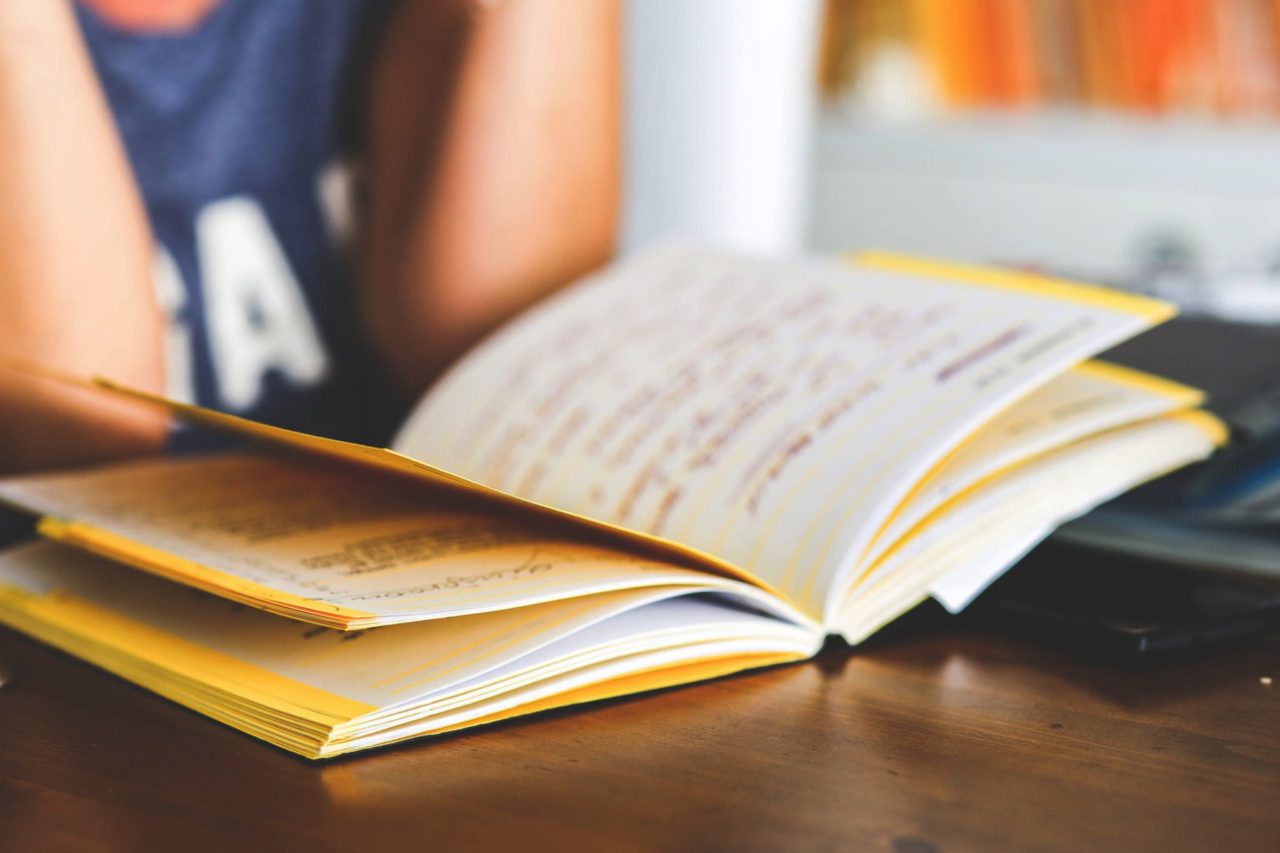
945, 738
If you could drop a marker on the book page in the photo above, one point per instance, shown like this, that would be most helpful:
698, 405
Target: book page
318, 691
769, 413
333, 544
970, 540
1088, 399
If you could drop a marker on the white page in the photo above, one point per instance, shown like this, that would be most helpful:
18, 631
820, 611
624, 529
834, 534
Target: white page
1083, 401
588, 675
957, 589
769, 413
674, 623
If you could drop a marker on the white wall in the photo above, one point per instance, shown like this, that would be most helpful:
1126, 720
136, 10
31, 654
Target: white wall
720, 101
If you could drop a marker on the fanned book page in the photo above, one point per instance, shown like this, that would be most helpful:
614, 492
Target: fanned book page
337, 545
321, 693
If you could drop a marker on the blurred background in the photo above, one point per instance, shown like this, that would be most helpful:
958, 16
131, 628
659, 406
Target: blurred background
1135, 142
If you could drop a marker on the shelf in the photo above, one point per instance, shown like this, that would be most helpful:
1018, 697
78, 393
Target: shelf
1069, 189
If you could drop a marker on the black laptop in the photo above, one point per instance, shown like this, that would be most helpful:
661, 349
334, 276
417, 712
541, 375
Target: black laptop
1187, 562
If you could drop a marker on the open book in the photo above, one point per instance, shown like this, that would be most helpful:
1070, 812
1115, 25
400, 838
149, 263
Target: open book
681, 467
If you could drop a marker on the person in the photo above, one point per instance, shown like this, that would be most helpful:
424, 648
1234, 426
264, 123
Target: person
281, 207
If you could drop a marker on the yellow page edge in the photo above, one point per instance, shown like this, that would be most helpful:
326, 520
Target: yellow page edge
1207, 422
1143, 381
91, 538
93, 623
1153, 310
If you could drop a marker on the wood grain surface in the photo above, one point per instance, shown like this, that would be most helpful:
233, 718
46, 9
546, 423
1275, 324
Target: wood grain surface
941, 739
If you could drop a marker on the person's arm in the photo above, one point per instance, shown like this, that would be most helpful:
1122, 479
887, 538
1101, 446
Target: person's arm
75, 253
493, 168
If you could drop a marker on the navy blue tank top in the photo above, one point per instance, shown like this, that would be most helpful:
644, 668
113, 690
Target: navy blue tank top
239, 133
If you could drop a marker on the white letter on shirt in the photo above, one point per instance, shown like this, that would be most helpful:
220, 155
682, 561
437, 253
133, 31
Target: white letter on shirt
334, 190
258, 319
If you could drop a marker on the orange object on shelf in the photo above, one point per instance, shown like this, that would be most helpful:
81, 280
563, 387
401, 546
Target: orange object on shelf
1146, 56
